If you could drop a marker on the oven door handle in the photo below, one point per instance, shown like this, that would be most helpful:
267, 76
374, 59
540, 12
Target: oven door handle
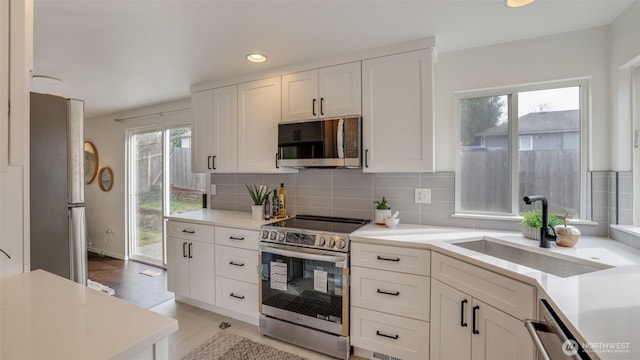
303, 254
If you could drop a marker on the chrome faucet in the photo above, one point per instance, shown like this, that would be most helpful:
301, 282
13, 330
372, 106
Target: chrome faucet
545, 236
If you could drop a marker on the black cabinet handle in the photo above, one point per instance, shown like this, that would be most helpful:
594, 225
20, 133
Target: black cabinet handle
4, 252
366, 158
209, 162
388, 259
235, 263
188, 231
394, 293
214, 162
475, 315
395, 337
237, 296
184, 249
321, 103
313, 107
463, 304
190, 256
236, 238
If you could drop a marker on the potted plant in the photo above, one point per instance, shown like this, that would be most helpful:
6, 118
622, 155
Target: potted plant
382, 211
532, 222
259, 194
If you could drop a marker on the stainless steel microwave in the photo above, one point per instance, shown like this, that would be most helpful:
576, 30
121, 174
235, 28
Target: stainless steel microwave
334, 142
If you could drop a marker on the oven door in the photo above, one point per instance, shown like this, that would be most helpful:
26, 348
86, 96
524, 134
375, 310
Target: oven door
305, 286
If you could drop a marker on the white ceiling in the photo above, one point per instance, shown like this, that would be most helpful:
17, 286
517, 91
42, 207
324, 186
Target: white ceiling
122, 54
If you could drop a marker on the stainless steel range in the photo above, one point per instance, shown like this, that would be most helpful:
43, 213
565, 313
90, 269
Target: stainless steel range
304, 283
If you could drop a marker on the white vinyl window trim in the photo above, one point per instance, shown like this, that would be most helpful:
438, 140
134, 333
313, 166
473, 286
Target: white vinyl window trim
512, 93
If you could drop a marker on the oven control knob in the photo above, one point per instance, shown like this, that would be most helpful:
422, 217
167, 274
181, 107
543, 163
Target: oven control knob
281, 236
332, 242
342, 244
265, 234
321, 241
273, 235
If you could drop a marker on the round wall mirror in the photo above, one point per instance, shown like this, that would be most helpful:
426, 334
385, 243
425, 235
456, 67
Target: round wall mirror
90, 162
105, 178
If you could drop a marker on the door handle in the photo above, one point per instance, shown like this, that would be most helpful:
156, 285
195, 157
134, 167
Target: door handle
209, 162
475, 319
366, 158
321, 103
188, 231
394, 293
313, 107
235, 263
184, 249
463, 304
190, 256
237, 296
388, 259
236, 238
214, 162
395, 337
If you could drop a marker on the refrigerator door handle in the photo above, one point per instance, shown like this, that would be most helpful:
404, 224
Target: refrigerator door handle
78, 244
75, 149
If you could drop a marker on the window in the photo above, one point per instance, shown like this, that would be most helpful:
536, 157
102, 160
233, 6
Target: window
518, 142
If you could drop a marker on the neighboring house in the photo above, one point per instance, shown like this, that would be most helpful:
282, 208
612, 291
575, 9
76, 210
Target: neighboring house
549, 130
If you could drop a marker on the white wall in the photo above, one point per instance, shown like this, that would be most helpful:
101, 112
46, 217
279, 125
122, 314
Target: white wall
107, 209
562, 56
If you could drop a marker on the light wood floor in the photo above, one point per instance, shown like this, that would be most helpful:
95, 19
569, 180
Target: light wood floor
195, 326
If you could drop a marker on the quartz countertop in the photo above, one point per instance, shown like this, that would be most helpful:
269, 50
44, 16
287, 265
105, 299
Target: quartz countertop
601, 308
45, 316
235, 219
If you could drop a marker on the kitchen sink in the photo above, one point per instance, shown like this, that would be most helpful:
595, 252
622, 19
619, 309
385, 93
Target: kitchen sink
549, 264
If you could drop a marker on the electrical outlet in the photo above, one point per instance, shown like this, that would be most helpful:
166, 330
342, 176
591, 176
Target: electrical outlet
423, 196
213, 189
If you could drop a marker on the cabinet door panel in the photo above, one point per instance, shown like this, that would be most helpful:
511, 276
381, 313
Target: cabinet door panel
500, 336
177, 266
298, 92
201, 128
237, 264
224, 135
449, 312
201, 272
340, 90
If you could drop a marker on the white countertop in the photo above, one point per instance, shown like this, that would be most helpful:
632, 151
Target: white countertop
600, 308
235, 219
45, 316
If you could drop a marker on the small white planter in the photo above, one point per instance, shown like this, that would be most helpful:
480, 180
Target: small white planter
531, 232
380, 215
257, 212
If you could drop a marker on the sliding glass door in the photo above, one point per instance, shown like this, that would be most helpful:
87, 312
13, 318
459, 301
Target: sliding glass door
160, 183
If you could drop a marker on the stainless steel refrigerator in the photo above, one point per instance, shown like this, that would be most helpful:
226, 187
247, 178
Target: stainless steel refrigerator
58, 224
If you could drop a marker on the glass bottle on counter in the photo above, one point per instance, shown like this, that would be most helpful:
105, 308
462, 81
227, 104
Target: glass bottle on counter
267, 208
282, 199
275, 204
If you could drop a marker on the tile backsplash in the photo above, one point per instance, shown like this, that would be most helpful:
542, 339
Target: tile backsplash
350, 193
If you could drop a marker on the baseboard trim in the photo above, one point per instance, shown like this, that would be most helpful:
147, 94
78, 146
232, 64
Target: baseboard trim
106, 253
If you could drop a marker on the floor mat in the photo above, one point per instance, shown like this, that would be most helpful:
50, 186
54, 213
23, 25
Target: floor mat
226, 346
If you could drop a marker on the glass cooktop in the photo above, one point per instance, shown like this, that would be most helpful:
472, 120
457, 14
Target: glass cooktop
323, 223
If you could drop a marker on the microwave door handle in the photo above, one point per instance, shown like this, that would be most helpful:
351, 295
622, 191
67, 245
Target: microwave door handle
340, 139
302, 254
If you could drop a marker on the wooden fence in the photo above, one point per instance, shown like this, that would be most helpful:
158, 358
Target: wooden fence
485, 184
182, 179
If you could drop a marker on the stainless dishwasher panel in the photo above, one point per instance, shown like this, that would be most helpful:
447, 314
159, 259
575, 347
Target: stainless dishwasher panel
552, 339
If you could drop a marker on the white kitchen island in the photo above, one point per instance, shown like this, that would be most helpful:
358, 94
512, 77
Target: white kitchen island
44, 316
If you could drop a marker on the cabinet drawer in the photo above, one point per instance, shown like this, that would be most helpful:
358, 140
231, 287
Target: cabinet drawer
389, 334
501, 292
390, 292
189, 231
246, 239
411, 261
237, 264
237, 296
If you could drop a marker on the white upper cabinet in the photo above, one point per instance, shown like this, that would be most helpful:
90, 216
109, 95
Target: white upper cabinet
326, 92
397, 112
258, 118
215, 130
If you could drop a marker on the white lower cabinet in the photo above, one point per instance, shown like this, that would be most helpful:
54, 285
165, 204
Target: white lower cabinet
238, 296
190, 268
390, 295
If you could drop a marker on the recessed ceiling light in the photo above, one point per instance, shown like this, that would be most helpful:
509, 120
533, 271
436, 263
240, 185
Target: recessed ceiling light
256, 58
47, 80
518, 3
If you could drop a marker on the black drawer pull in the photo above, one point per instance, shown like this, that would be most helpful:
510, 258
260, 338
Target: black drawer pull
394, 293
388, 259
462, 307
184, 249
236, 238
235, 263
475, 315
188, 231
394, 337
190, 256
237, 296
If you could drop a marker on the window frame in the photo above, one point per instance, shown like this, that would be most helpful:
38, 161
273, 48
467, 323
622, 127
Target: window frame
512, 98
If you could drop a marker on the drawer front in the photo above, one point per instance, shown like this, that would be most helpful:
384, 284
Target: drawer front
189, 231
237, 296
509, 295
390, 292
389, 335
406, 260
246, 239
237, 264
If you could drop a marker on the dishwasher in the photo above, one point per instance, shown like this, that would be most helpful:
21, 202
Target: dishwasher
552, 338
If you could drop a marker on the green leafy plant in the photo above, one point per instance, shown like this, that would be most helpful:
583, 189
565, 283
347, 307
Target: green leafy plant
258, 193
382, 204
533, 218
